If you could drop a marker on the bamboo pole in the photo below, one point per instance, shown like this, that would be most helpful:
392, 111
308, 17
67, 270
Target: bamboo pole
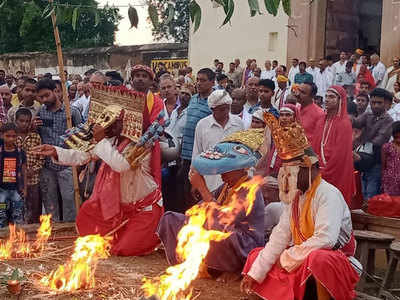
65, 100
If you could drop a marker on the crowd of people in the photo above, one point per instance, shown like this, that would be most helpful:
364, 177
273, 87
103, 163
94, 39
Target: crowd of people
323, 137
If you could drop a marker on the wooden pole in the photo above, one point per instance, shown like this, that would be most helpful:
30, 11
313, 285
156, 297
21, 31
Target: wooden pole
65, 100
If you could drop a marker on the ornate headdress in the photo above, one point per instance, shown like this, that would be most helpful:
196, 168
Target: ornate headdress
106, 105
290, 141
130, 101
240, 150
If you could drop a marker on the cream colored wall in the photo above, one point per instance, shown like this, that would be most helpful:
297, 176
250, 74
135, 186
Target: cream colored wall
246, 37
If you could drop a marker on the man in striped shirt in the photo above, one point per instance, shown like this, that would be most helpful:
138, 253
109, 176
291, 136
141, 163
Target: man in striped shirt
197, 110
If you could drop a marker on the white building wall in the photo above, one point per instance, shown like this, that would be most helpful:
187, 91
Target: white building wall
246, 37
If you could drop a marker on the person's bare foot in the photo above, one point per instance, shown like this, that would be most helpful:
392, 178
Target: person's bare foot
228, 277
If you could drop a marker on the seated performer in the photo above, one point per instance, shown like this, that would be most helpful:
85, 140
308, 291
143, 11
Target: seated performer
309, 253
231, 158
125, 199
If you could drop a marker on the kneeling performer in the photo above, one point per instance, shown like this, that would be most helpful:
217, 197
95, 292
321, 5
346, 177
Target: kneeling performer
126, 199
231, 158
309, 253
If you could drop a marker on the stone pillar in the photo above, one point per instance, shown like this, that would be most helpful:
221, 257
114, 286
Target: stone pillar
390, 42
306, 34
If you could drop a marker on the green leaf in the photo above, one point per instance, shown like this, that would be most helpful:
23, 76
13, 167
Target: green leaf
46, 10
96, 18
3, 3
171, 13
195, 14
276, 3
229, 11
271, 6
254, 7
286, 7
133, 16
59, 15
75, 17
153, 15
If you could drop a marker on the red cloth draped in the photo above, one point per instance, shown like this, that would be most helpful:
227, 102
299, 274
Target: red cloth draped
149, 118
309, 115
137, 237
338, 150
331, 268
365, 75
104, 211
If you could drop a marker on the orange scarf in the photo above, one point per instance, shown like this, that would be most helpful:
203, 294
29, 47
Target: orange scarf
302, 226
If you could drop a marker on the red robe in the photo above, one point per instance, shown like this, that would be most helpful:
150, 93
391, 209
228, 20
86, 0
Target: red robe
337, 167
104, 211
309, 115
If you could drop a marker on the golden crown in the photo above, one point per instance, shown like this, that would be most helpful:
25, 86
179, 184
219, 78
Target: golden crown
252, 138
289, 141
130, 101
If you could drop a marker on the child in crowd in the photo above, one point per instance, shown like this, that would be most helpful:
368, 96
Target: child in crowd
27, 140
391, 163
12, 180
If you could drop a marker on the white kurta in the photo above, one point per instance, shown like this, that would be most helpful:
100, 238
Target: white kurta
313, 72
267, 74
135, 183
378, 72
292, 72
388, 83
209, 133
332, 221
323, 81
339, 67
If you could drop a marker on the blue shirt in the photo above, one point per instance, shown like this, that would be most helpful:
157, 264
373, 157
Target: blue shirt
303, 77
197, 110
54, 126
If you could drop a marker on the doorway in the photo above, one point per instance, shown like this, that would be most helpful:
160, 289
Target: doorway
353, 24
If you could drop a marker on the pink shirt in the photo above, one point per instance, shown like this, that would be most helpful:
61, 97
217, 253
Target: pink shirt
309, 116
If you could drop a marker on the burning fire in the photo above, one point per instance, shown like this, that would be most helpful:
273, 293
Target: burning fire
194, 242
78, 272
17, 245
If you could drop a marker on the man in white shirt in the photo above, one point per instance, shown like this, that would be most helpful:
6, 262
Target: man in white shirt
237, 107
294, 70
324, 78
377, 69
312, 69
268, 73
340, 66
82, 102
212, 129
252, 86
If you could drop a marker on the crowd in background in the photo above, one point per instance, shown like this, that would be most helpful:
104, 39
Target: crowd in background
349, 109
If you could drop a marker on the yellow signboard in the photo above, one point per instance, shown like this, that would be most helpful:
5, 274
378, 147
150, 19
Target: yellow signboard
169, 63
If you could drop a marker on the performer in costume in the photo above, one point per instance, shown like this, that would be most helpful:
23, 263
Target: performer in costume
126, 197
316, 221
333, 142
231, 158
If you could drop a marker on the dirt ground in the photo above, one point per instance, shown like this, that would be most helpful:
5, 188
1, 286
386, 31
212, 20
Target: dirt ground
116, 277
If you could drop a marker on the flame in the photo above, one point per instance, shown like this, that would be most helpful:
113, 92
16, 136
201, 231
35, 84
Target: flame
194, 242
78, 272
17, 245
43, 232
